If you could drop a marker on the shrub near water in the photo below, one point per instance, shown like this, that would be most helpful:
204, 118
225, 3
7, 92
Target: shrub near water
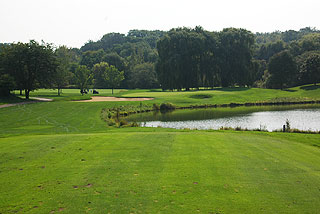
167, 106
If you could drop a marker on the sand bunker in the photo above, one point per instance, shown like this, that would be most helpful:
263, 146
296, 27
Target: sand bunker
32, 100
102, 99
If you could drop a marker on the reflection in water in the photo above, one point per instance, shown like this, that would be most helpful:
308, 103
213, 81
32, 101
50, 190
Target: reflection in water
269, 118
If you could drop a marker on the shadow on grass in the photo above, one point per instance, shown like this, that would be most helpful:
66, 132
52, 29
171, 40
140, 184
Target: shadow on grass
11, 99
310, 87
289, 90
232, 89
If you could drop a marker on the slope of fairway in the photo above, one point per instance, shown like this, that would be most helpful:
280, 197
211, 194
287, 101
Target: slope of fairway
169, 172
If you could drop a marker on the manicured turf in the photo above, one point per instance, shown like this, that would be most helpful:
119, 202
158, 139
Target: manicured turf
61, 157
170, 172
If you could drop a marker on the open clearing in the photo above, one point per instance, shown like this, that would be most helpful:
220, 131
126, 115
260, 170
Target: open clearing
103, 99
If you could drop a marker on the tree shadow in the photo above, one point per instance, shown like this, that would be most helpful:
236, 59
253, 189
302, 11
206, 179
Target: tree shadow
232, 89
310, 87
289, 90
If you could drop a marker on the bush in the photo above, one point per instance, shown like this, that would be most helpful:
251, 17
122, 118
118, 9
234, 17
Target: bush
111, 122
155, 107
167, 106
123, 123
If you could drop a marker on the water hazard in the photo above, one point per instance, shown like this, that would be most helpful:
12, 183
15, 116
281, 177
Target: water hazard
306, 117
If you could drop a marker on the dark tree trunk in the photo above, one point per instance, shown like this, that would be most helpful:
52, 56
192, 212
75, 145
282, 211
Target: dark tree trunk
27, 94
112, 90
20, 91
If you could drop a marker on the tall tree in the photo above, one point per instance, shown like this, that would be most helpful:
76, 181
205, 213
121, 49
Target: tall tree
109, 74
83, 77
90, 58
283, 70
31, 65
63, 73
143, 76
311, 68
113, 77
236, 51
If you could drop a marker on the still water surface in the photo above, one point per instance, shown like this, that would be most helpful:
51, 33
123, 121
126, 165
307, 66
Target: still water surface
306, 117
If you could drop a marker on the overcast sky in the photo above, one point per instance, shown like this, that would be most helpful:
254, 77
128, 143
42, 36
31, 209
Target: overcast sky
74, 22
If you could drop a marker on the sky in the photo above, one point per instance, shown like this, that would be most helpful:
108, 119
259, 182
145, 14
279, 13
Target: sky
75, 22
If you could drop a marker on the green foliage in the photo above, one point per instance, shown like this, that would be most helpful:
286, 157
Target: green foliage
236, 46
107, 76
155, 107
167, 106
143, 76
63, 74
90, 58
283, 70
7, 84
192, 58
113, 77
32, 65
83, 77
310, 67
269, 49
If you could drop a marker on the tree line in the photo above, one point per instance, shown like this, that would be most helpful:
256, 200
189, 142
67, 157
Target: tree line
182, 58
30, 66
193, 58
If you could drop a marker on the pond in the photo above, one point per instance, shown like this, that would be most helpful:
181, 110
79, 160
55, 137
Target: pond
302, 117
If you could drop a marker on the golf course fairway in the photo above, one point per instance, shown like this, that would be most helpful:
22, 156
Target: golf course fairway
61, 157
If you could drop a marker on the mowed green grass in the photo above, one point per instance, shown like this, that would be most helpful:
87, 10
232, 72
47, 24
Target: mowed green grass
233, 95
185, 98
61, 157
167, 172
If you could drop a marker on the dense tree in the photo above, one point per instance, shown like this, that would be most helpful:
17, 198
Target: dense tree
90, 58
269, 49
31, 65
7, 84
192, 58
115, 60
107, 76
63, 74
236, 55
143, 76
113, 77
83, 77
310, 68
99, 73
283, 70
